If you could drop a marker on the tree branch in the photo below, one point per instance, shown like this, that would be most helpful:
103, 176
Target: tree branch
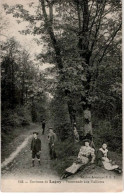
98, 15
49, 28
110, 40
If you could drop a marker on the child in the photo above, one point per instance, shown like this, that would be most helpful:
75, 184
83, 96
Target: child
103, 159
35, 147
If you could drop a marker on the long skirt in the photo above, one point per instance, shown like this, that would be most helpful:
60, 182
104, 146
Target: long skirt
75, 166
108, 165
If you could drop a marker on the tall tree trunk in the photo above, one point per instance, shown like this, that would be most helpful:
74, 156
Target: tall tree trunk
85, 55
49, 23
72, 113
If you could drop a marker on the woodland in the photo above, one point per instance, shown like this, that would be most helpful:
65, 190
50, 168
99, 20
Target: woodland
82, 38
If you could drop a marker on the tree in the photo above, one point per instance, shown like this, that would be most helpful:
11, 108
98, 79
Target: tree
22, 83
78, 34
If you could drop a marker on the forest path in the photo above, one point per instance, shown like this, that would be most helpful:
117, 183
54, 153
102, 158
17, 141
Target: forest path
18, 165
21, 166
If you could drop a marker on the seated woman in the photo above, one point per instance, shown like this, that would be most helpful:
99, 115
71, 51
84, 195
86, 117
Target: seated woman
103, 159
85, 155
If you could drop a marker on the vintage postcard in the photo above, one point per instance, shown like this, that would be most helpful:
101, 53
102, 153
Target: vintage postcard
61, 86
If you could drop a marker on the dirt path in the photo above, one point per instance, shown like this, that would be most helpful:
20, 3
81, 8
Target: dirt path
21, 165
18, 165
19, 175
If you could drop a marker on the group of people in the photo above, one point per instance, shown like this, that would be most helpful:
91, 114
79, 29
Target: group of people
86, 155
36, 144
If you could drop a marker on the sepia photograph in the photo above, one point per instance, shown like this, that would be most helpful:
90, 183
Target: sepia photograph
61, 95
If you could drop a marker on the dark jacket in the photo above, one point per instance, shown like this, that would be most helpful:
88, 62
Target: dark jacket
36, 145
99, 157
43, 124
52, 138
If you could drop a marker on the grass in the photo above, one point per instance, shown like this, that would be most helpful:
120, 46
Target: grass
67, 152
12, 139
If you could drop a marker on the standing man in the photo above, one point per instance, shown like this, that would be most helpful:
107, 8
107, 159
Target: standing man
43, 126
35, 148
52, 138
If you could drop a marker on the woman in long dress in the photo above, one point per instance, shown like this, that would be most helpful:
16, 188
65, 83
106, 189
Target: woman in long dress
85, 155
103, 159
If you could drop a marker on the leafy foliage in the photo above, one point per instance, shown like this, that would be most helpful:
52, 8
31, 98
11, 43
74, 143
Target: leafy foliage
83, 39
23, 96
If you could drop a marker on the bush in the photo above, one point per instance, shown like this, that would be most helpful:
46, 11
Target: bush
24, 115
11, 119
20, 116
105, 132
63, 131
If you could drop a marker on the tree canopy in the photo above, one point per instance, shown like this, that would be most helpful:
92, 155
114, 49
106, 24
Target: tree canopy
82, 38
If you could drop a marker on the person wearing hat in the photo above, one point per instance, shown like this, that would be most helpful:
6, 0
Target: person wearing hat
35, 148
86, 155
89, 136
52, 138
